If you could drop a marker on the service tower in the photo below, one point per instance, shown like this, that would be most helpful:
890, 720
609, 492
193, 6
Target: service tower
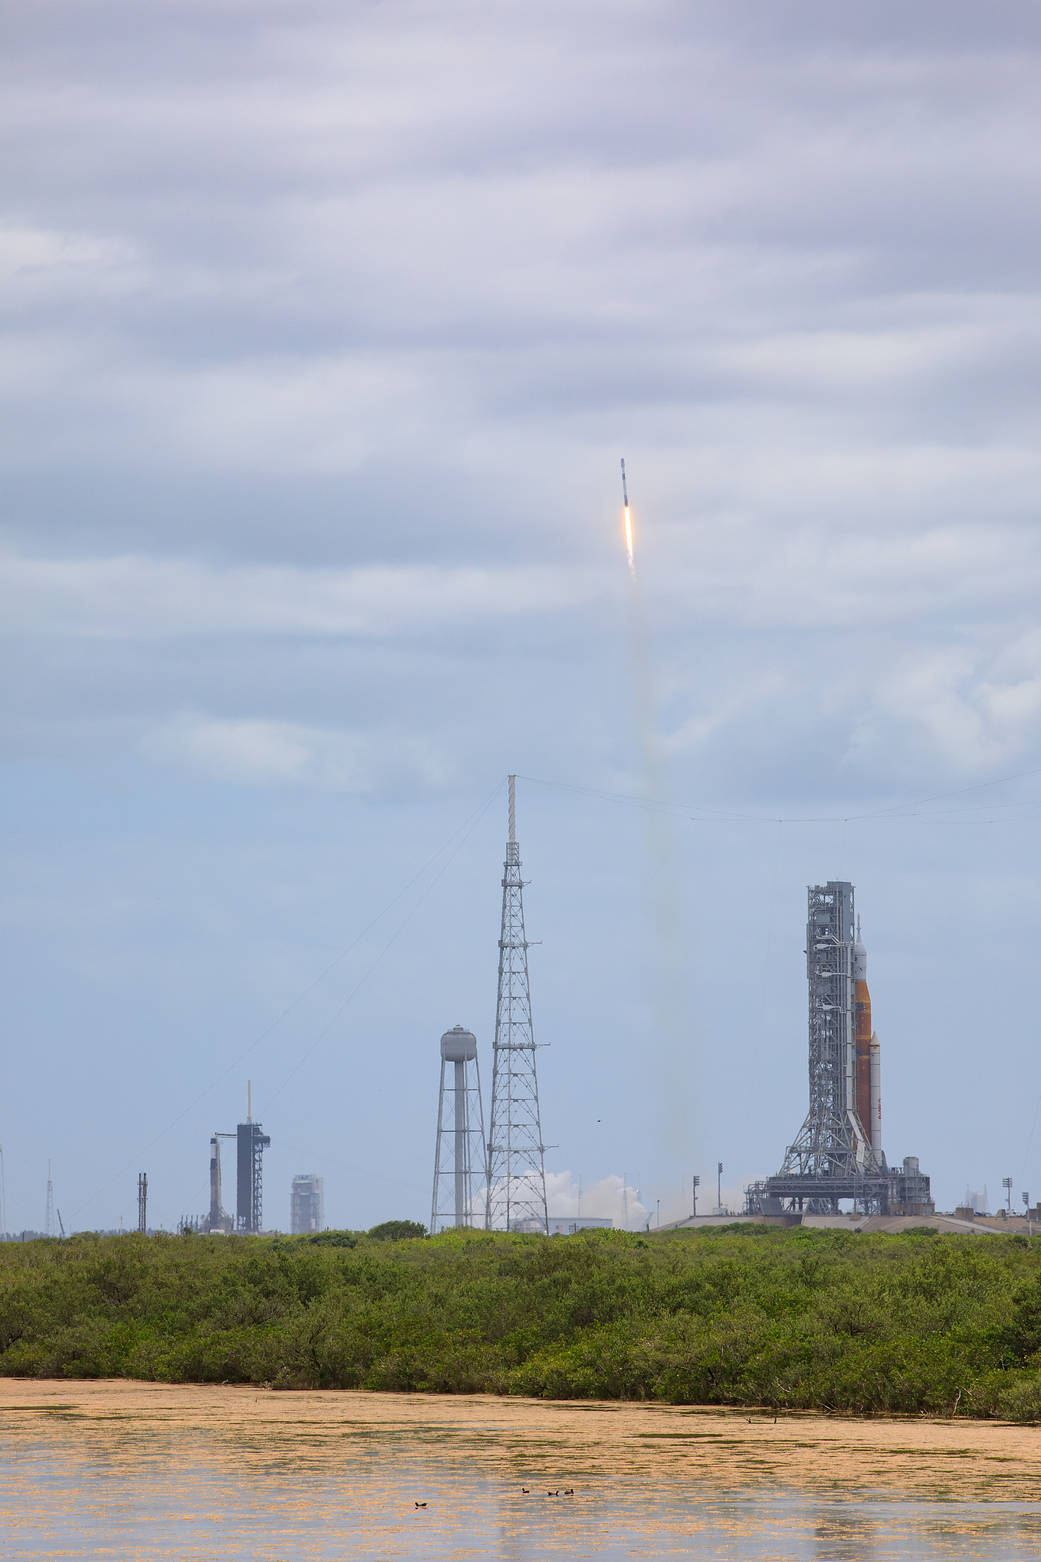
252, 1142
837, 1154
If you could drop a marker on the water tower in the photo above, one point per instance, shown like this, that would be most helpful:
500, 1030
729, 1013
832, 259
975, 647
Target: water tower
460, 1132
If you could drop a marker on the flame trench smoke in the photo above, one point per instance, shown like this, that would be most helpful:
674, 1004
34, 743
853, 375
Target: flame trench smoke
671, 1054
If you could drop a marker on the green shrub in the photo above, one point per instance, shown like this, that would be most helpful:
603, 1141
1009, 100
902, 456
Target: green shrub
792, 1318
397, 1230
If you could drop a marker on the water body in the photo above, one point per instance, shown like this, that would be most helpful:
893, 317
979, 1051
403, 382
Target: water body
143, 1471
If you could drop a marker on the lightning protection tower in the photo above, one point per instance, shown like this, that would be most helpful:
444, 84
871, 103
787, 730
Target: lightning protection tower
516, 1182
142, 1201
460, 1131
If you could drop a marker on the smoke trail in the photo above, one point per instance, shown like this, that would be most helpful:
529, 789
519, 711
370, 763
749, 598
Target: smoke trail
672, 1048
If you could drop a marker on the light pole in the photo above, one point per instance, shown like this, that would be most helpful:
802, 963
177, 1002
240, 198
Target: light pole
1006, 1183
1026, 1203
694, 1197
719, 1187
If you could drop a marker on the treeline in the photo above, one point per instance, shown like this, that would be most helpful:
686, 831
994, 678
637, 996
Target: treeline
790, 1319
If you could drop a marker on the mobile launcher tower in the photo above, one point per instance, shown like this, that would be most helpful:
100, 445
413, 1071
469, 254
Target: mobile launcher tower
837, 1154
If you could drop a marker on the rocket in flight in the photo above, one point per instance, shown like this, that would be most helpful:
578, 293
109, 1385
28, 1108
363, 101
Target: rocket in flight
627, 523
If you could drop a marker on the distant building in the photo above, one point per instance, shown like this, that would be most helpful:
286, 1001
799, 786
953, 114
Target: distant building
307, 1204
568, 1225
563, 1225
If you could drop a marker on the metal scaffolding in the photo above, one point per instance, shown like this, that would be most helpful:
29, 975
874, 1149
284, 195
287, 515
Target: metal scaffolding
516, 1181
831, 1142
252, 1141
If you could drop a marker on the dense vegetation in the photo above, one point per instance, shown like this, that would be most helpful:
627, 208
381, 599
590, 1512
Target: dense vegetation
746, 1316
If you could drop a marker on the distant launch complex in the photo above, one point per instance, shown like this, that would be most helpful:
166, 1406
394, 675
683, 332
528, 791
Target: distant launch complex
836, 1157
493, 1174
837, 1154
250, 1143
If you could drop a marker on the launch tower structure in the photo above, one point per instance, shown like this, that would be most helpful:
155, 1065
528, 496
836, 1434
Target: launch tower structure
516, 1174
252, 1142
837, 1154
832, 1141
460, 1146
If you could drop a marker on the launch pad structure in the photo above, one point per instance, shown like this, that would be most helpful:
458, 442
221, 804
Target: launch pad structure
837, 1154
250, 1143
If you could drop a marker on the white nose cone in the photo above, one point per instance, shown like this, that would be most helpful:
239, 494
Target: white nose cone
859, 962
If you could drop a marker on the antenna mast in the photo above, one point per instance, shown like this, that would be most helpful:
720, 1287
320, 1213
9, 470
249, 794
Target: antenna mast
516, 1182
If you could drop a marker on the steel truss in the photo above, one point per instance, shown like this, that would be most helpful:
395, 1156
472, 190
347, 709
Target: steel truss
516, 1173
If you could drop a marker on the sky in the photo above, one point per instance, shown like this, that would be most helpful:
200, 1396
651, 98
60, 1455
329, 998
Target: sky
326, 329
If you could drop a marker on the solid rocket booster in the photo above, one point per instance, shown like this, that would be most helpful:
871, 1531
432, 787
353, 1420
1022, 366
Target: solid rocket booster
625, 491
863, 1099
875, 1128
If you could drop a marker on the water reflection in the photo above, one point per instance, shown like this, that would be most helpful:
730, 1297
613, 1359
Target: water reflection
842, 1535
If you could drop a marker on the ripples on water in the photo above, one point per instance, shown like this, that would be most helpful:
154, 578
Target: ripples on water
145, 1484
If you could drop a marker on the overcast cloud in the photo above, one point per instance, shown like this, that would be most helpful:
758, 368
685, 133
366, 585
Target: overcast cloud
326, 328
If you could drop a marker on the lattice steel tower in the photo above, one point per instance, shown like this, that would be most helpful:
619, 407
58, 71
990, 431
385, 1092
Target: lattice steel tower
830, 1142
459, 1149
252, 1142
516, 1184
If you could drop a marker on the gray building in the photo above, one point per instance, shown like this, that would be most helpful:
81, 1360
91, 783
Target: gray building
306, 1204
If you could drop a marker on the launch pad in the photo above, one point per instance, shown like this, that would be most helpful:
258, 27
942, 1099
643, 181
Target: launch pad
837, 1154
